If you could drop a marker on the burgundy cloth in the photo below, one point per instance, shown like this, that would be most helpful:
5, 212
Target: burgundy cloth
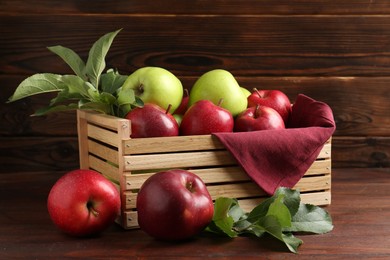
279, 158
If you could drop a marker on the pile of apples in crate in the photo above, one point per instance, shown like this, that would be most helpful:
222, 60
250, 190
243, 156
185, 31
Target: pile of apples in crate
216, 103
173, 204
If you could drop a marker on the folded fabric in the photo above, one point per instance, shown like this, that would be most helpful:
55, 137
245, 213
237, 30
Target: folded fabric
279, 158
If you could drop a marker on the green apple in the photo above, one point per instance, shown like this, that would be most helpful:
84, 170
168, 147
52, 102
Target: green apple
216, 85
178, 118
247, 93
156, 85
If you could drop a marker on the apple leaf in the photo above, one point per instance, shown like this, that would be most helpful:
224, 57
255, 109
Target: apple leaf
111, 81
71, 58
52, 109
38, 84
96, 57
311, 218
279, 216
222, 222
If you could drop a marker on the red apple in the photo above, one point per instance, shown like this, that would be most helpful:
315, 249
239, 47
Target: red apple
174, 205
271, 98
258, 118
83, 203
204, 117
183, 105
152, 121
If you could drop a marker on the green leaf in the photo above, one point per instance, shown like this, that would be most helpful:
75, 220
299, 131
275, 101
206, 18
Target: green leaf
291, 242
52, 109
38, 84
112, 81
72, 59
272, 226
96, 106
311, 218
260, 210
96, 57
75, 84
107, 98
291, 198
222, 222
279, 210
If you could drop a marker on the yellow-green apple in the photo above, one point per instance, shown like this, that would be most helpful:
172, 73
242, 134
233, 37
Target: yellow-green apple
155, 85
246, 91
152, 121
174, 205
204, 117
258, 118
275, 99
83, 203
219, 84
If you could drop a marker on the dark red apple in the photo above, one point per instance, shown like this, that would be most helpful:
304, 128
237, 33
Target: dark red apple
174, 205
83, 203
275, 99
258, 118
152, 121
204, 117
183, 105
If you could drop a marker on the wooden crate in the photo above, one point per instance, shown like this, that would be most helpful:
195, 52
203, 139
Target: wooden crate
105, 146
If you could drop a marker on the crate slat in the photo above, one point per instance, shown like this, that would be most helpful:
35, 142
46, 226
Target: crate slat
319, 167
129, 217
103, 135
107, 169
247, 189
172, 144
103, 151
178, 160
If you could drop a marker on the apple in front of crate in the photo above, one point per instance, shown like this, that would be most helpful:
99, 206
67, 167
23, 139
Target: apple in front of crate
174, 205
83, 203
275, 99
152, 121
258, 118
157, 86
203, 118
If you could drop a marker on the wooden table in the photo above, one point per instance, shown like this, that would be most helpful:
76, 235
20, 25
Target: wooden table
360, 210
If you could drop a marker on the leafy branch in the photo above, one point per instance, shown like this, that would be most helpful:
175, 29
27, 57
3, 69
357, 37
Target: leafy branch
279, 216
89, 88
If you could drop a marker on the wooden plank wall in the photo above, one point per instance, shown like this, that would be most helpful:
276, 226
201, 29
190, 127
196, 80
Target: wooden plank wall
334, 51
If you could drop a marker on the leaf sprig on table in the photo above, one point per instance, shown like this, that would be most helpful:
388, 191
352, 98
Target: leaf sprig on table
279, 216
89, 88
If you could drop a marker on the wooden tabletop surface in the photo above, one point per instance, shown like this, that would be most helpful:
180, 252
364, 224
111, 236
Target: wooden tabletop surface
360, 210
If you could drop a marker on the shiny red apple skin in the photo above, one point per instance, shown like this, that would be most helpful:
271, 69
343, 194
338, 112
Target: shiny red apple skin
258, 118
83, 203
174, 205
275, 99
204, 117
152, 121
183, 105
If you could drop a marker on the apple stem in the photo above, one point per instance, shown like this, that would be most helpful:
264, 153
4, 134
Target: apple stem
140, 89
91, 209
186, 93
220, 102
168, 108
257, 92
256, 114
189, 186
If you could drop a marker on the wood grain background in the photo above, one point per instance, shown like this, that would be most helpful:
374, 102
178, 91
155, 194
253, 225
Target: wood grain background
334, 51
